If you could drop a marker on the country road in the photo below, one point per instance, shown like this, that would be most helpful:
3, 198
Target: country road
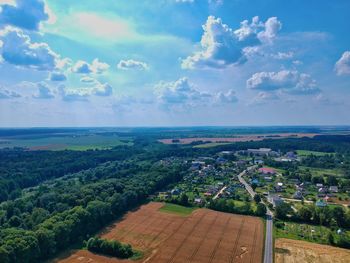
268, 253
220, 192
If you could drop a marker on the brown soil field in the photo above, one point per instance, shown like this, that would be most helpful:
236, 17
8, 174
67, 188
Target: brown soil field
238, 138
204, 236
296, 251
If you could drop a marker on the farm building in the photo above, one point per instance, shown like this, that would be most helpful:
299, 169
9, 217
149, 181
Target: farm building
266, 170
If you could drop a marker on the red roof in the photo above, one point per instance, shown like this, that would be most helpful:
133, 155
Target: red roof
266, 170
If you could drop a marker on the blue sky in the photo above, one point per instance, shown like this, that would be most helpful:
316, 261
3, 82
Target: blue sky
174, 62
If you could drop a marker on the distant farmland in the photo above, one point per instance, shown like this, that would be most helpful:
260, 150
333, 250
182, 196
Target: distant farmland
66, 142
204, 236
237, 138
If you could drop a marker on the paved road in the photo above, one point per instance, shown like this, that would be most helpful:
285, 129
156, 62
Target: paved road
268, 253
219, 193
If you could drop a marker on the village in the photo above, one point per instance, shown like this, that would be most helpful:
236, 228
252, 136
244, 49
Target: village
215, 177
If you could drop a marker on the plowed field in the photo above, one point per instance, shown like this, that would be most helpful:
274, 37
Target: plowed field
204, 236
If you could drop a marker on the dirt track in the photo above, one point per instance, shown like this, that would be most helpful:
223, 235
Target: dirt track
295, 251
204, 236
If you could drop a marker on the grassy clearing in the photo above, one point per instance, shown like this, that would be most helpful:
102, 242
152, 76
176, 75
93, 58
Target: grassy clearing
321, 171
307, 153
210, 144
306, 232
177, 209
75, 143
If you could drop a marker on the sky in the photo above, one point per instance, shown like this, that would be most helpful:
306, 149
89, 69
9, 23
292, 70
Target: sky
174, 63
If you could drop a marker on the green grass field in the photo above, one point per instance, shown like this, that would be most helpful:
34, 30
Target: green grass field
177, 209
321, 171
307, 153
75, 143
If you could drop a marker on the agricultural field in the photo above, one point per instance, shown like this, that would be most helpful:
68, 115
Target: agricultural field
237, 138
210, 144
203, 236
72, 142
291, 251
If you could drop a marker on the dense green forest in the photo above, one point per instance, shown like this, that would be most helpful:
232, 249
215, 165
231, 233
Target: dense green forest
52, 217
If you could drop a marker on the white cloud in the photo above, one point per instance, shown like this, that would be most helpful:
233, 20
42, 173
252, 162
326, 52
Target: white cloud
44, 92
179, 92
25, 14
289, 81
342, 67
17, 49
271, 28
283, 55
132, 65
8, 94
226, 97
222, 46
57, 76
87, 79
96, 67
183, 93
264, 98
103, 90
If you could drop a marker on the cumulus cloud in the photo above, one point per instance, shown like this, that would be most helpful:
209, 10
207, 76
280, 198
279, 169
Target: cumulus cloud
25, 14
103, 90
342, 67
83, 93
96, 67
132, 65
222, 46
179, 92
8, 94
264, 98
17, 49
226, 97
184, 93
57, 76
44, 92
283, 55
87, 79
290, 81
71, 95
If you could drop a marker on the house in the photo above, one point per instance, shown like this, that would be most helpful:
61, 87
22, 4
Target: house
258, 161
175, 191
266, 170
260, 151
333, 189
279, 187
274, 200
226, 152
319, 185
291, 155
221, 160
322, 190
198, 200
298, 195
255, 181
321, 203
268, 178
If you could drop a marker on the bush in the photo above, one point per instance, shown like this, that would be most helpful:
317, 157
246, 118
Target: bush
110, 248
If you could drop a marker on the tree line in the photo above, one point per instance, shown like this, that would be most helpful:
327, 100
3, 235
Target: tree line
64, 211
